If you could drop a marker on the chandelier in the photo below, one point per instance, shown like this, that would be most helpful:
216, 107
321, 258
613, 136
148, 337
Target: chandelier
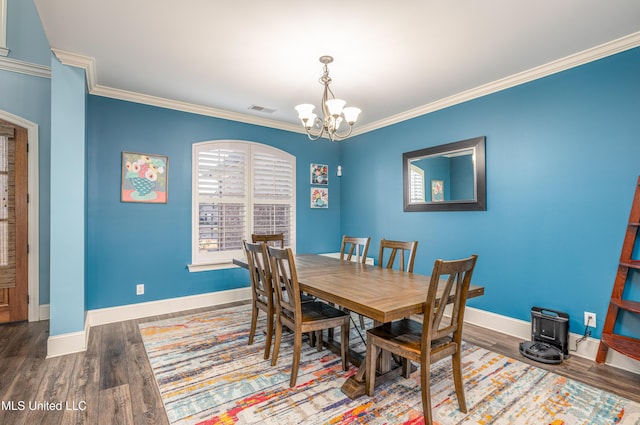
333, 110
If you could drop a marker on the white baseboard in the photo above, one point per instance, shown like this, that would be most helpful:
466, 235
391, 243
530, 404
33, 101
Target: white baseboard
77, 341
522, 329
44, 312
103, 316
59, 345
74, 342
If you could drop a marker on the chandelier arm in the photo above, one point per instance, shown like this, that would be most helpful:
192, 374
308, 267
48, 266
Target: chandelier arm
321, 129
313, 137
343, 136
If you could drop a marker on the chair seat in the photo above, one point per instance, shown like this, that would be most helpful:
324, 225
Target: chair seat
406, 333
316, 310
304, 298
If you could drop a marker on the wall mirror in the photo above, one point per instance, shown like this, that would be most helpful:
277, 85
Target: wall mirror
448, 177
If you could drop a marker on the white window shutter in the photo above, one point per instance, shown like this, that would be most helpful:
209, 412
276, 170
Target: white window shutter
417, 184
273, 179
222, 198
240, 188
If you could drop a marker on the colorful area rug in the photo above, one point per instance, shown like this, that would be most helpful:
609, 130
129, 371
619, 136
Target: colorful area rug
207, 374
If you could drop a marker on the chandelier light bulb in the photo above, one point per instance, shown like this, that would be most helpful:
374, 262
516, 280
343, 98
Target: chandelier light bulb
351, 114
335, 107
305, 110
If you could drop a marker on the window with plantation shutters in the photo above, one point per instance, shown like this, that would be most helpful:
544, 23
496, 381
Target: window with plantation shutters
417, 184
239, 188
273, 181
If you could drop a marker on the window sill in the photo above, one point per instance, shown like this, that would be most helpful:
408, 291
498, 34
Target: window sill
194, 268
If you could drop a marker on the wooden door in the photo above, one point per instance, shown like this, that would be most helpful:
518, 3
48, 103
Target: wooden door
13, 223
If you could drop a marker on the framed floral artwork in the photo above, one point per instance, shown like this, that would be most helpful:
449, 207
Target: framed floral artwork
319, 197
144, 178
319, 174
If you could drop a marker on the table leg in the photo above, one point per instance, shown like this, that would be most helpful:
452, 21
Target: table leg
354, 387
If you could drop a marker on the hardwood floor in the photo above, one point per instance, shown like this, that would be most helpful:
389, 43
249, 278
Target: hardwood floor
112, 383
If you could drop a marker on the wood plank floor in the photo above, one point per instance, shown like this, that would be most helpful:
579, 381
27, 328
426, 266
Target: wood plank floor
112, 383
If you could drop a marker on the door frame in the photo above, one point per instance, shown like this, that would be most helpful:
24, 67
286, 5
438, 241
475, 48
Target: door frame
33, 211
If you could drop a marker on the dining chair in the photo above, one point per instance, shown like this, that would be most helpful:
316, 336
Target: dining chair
361, 247
261, 290
270, 239
398, 247
351, 244
432, 340
301, 317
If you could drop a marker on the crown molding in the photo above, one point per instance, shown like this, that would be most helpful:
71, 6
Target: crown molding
607, 49
99, 90
89, 65
21, 67
616, 46
79, 61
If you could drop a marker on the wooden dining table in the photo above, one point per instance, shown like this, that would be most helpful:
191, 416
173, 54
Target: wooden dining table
382, 294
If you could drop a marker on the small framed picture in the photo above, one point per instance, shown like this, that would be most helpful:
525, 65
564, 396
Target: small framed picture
144, 178
319, 174
437, 190
319, 197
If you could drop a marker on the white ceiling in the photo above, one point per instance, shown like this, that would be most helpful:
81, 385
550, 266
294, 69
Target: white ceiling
393, 60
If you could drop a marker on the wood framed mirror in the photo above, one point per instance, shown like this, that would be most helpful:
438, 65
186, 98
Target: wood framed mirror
448, 177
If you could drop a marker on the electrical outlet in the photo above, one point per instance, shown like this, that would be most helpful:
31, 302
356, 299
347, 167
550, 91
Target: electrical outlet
590, 319
140, 289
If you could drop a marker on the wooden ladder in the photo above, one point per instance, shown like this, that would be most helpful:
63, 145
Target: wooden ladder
629, 346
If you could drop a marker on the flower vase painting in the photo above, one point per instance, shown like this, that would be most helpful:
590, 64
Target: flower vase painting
319, 174
319, 197
144, 178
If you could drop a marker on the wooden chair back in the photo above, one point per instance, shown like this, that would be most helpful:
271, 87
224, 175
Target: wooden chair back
311, 317
351, 244
398, 247
261, 290
259, 271
288, 292
458, 278
275, 239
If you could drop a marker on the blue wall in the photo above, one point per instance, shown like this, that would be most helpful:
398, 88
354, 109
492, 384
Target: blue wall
67, 292
129, 243
26, 40
29, 97
563, 156
462, 178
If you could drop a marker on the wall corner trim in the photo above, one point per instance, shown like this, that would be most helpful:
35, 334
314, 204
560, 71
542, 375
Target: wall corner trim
73, 342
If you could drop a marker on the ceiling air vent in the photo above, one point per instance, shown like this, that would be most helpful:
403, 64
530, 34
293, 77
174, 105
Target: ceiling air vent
262, 109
